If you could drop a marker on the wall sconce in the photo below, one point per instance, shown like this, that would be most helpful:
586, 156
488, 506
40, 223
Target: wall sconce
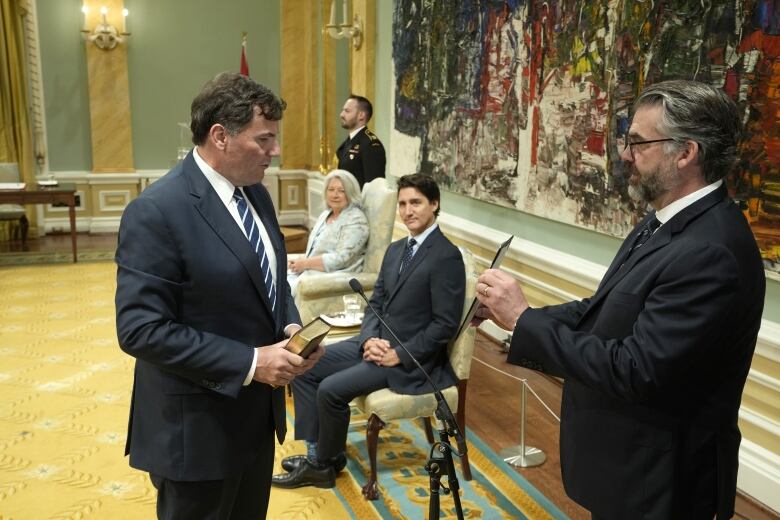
345, 30
104, 35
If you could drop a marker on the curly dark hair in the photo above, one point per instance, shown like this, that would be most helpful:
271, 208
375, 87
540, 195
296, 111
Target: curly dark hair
229, 100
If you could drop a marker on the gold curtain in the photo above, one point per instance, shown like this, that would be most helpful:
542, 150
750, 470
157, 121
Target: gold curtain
15, 135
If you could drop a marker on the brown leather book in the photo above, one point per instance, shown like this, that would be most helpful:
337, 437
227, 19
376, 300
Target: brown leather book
305, 341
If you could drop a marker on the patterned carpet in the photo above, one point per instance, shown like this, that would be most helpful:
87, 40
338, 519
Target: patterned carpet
53, 257
65, 387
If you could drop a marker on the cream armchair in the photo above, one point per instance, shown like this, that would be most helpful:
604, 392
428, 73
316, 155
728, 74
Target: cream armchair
385, 405
321, 294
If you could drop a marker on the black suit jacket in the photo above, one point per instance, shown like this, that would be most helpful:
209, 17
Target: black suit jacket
423, 305
363, 156
191, 305
654, 366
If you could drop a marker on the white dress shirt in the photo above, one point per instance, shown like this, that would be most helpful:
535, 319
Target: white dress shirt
225, 190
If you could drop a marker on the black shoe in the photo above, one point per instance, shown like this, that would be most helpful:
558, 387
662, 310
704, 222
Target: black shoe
306, 474
292, 462
339, 462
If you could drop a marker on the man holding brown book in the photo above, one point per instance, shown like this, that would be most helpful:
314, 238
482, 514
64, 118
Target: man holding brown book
419, 293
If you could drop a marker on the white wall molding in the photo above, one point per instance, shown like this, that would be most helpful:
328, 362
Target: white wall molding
104, 205
62, 225
295, 217
105, 178
759, 474
104, 224
768, 345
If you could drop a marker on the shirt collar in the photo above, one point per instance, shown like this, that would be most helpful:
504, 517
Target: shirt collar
666, 213
422, 236
354, 132
221, 185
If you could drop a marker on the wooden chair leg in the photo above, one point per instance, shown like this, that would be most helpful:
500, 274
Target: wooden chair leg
461, 418
25, 225
428, 429
375, 424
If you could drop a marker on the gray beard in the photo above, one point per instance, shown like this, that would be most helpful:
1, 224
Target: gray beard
639, 193
648, 188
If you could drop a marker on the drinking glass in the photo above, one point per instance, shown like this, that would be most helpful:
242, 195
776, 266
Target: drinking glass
351, 307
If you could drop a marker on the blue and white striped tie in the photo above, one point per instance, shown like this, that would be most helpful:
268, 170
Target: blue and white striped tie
253, 235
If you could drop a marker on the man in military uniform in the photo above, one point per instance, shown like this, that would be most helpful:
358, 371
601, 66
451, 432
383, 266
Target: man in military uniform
362, 153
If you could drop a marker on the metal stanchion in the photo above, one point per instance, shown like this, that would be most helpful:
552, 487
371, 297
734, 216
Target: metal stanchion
523, 456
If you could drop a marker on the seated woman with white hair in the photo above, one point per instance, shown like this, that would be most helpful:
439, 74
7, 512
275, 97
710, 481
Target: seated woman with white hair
338, 240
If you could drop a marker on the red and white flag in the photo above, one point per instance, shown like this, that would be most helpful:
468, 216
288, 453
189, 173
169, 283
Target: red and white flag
244, 64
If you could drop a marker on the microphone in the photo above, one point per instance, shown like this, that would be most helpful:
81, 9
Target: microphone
443, 408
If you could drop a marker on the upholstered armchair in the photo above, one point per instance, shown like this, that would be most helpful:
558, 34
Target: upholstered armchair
385, 405
321, 294
9, 172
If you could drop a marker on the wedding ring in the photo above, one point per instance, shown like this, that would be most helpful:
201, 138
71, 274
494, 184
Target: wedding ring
485, 290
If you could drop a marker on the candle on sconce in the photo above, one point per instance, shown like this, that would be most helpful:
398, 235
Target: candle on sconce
103, 13
344, 9
125, 12
332, 12
85, 10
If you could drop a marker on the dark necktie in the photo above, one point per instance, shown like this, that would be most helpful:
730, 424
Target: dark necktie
408, 253
644, 235
253, 235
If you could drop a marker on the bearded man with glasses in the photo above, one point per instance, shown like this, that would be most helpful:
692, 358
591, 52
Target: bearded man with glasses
654, 363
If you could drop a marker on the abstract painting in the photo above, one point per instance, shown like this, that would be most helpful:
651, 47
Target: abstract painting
520, 103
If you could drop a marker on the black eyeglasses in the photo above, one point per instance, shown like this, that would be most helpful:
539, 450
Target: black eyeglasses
623, 143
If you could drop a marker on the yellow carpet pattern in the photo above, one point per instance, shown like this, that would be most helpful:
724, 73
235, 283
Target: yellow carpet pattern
65, 388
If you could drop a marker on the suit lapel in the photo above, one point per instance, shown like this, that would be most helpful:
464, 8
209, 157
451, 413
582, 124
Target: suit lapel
394, 254
417, 259
213, 211
623, 263
618, 263
265, 211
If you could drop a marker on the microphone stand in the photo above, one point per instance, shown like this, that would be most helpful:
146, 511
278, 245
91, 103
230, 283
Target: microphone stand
441, 451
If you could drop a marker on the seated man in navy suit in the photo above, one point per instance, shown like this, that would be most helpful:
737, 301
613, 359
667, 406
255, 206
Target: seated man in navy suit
419, 292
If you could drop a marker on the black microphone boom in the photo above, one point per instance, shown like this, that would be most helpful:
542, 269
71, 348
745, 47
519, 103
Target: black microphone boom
445, 409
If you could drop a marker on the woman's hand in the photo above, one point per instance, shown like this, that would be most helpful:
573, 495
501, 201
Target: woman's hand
298, 265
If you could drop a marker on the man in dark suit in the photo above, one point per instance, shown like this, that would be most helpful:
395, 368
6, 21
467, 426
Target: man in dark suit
362, 153
419, 292
203, 304
655, 361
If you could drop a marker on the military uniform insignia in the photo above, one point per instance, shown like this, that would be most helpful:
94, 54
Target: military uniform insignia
362, 155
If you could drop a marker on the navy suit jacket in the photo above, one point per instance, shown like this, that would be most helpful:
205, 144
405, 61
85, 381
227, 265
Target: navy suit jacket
191, 305
654, 366
423, 305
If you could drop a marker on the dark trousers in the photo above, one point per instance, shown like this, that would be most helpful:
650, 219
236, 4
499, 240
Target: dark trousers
243, 496
322, 395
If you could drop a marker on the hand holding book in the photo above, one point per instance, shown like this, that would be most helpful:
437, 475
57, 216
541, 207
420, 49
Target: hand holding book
308, 338
276, 367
